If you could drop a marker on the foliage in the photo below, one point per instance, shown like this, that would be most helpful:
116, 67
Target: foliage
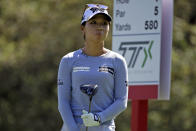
35, 34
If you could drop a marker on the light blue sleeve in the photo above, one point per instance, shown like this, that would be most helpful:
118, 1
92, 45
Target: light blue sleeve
120, 92
64, 95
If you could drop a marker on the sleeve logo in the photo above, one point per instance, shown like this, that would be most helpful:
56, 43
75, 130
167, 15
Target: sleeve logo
60, 82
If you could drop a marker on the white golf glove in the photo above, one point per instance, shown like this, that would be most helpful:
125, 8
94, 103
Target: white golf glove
90, 119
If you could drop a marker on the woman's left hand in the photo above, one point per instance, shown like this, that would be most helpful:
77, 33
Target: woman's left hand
90, 119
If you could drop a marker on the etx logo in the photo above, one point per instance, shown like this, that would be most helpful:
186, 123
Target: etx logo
137, 47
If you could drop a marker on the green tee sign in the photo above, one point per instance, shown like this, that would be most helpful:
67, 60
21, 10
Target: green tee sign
137, 37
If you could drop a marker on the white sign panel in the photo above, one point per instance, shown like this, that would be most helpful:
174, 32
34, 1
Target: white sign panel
137, 36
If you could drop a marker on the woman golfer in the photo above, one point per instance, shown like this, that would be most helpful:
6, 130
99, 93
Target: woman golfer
90, 67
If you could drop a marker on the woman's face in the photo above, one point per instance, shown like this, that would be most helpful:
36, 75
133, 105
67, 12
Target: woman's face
96, 29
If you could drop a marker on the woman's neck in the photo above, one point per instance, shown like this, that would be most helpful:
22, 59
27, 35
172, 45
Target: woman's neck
94, 49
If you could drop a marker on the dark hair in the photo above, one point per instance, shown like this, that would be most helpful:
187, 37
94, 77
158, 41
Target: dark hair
83, 24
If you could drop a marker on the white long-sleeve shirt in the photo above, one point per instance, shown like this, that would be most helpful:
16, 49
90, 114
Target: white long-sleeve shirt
108, 71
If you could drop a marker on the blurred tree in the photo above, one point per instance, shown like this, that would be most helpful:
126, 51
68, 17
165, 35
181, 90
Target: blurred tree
179, 113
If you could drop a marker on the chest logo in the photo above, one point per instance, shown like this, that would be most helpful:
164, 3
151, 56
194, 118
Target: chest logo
81, 68
106, 69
